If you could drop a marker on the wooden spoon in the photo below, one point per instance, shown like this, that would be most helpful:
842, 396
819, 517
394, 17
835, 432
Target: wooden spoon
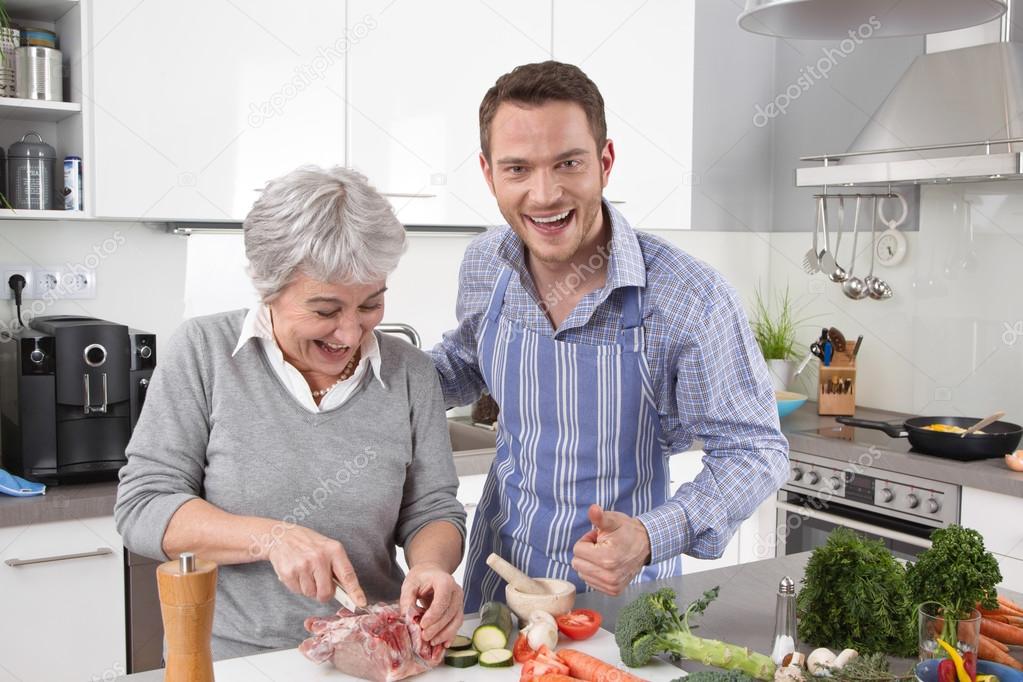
516, 578
986, 421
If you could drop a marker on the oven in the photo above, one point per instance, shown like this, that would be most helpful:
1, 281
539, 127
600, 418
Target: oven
822, 494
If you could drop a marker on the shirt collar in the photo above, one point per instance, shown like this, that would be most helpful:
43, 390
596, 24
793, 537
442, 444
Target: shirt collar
625, 268
259, 325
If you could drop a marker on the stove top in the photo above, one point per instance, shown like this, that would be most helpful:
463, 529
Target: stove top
868, 438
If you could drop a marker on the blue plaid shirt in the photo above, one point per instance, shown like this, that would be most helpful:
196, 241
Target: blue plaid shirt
710, 380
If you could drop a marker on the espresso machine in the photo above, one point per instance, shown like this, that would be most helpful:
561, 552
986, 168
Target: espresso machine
71, 389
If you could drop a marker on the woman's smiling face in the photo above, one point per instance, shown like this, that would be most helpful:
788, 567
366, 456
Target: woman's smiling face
319, 326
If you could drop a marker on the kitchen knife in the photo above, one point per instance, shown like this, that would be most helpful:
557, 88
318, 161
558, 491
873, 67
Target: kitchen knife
342, 598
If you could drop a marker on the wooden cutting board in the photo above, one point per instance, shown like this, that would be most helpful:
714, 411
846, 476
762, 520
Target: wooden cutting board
291, 666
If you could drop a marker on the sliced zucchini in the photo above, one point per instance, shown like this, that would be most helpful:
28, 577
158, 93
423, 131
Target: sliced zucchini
463, 658
459, 643
495, 628
496, 658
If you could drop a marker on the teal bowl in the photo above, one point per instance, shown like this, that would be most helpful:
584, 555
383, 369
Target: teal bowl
788, 402
927, 671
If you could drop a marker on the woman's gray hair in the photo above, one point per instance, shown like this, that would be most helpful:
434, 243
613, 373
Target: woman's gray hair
328, 224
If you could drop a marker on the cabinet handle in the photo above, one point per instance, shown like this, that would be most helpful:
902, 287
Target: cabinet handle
408, 195
616, 201
102, 551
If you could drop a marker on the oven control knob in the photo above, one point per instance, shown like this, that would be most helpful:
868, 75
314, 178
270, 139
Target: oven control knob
835, 482
887, 495
813, 478
797, 474
933, 506
914, 500
36, 356
145, 352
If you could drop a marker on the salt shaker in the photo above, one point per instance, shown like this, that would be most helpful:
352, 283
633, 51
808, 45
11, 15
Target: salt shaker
784, 621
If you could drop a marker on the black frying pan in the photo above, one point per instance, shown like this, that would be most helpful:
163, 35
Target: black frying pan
998, 439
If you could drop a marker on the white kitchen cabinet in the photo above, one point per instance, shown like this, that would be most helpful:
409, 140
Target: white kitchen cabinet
197, 104
82, 597
415, 82
992, 515
640, 53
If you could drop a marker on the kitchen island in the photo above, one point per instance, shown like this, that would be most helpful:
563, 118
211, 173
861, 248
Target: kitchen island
742, 614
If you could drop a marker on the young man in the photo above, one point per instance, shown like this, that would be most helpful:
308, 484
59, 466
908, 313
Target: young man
607, 350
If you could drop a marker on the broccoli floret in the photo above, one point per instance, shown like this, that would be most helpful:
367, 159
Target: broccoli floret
652, 625
716, 676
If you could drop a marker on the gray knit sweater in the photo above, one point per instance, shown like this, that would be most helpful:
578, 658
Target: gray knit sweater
370, 473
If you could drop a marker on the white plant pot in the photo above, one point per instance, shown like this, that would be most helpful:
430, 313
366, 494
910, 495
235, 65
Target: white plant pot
782, 373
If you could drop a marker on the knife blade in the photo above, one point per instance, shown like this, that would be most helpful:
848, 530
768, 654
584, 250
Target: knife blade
346, 601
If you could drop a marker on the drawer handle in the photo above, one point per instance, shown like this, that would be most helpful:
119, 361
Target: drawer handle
102, 551
469, 505
408, 195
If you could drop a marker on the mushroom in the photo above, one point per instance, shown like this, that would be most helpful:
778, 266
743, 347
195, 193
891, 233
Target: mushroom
844, 657
788, 673
820, 661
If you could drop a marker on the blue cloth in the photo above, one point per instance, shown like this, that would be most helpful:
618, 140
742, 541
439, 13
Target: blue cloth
16, 486
709, 380
578, 426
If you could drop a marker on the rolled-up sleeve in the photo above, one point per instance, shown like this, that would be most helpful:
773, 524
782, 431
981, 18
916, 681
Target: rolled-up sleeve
455, 356
167, 450
724, 396
431, 484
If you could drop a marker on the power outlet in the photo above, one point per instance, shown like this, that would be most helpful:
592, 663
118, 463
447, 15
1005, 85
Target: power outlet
47, 283
78, 282
25, 271
60, 283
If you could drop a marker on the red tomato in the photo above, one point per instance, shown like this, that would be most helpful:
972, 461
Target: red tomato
579, 624
522, 651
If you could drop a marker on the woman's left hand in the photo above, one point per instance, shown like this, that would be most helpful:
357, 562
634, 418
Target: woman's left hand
432, 586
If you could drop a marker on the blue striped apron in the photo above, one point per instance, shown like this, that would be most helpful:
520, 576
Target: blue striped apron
578, 425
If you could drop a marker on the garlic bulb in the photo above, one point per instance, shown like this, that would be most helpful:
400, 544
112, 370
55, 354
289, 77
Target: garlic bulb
819, 661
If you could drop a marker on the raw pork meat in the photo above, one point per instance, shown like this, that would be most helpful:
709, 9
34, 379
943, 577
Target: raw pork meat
382, 645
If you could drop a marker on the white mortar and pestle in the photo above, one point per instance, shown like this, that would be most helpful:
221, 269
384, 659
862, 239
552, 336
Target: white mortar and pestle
525, 595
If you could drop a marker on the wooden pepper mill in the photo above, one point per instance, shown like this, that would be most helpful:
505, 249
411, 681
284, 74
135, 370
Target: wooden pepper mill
188, 588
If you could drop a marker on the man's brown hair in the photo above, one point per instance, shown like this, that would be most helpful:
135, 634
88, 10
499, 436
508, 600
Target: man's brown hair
536, 84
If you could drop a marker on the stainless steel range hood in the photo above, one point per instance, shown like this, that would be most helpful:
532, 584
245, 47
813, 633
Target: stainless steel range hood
955, 116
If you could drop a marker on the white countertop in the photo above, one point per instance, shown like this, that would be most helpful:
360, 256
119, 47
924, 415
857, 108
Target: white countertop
290, 666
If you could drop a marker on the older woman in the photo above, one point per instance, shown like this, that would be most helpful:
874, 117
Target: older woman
291, 443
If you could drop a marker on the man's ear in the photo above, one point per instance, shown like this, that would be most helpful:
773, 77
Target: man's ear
488, 172
607, 160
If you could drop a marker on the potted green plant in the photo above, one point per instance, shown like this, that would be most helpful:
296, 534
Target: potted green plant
774, 326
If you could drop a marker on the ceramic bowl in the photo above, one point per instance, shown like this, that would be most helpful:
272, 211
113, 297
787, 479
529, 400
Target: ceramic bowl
927, 671
560, 599
788, 402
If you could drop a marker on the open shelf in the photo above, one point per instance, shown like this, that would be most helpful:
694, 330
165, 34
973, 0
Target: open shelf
26, 214
37, 110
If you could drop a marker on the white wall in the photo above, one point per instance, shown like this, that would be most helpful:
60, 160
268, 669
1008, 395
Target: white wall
140, 270
951, 339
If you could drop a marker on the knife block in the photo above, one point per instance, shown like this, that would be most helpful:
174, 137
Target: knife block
188, 588
836, 386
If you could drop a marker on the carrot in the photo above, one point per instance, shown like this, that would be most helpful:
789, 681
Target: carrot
592, 669
1003, 632
989, 652
555, 677
1010, 605
995, 642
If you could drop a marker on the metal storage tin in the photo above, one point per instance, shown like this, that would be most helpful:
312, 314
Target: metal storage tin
38, 73
10, 39
30, 173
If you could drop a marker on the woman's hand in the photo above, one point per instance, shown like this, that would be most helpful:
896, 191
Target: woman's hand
307, 563
432, 586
